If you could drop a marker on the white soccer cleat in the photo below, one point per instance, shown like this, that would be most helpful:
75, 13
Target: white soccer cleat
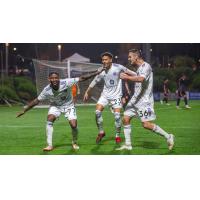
168, 104
125, 147
161, 102
48, 148
170, 141
75, 146
178, 107
188, 107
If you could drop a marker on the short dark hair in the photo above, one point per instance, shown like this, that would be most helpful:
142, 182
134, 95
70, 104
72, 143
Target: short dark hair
51, 73
107, 54
136, 51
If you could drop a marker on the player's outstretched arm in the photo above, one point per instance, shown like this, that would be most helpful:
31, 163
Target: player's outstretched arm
124, 76
28, 107
92, 74
86, 95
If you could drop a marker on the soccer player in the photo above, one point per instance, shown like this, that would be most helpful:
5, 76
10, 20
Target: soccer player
166, 92
61, 101
111, 94
181, 91
142, 102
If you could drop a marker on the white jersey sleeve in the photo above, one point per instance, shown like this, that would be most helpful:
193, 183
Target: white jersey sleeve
127, 71
97, 79
44, 94
145, 71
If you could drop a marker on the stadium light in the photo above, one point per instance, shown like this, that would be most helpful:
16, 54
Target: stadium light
59, 52
14, 49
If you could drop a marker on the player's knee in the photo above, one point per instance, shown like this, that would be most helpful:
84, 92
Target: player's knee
51, 118
73, 124
145, 125
126, 120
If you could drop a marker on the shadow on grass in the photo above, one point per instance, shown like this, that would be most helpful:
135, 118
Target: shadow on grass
148, 145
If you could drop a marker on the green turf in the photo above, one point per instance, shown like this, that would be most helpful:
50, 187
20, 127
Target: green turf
26, 135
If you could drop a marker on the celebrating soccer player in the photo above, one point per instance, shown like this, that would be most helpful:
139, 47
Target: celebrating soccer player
60, 95
112, 94
142, 103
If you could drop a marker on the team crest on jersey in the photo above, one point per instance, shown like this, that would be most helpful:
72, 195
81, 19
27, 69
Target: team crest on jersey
114, 74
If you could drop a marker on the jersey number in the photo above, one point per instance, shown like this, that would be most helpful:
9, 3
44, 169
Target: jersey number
71, 109
144, 113
112, 82
117, 101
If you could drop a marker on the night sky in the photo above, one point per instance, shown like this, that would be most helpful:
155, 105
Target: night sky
93, 50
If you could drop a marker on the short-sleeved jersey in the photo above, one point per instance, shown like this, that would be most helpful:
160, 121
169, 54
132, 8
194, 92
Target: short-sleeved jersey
143, 93
182, 84
61, 97
112, 82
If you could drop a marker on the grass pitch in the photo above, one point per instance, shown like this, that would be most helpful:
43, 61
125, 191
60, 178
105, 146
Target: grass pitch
26, 135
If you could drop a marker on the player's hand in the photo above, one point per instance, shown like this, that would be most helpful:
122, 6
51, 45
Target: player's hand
86, 96
19, 114
124, 76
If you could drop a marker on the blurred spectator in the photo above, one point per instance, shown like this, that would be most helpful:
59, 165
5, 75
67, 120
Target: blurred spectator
182, 91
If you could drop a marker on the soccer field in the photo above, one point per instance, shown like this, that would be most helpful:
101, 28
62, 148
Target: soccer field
26, 135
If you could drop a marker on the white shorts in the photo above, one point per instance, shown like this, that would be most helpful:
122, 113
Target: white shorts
115, 103
68, 111
145, 112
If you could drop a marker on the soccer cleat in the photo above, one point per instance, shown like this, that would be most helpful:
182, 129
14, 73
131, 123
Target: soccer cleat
99, 137
188, 107
48, 148
125, 147
178, 107
118, 139
170, 141
75, 146
168, 104
161, 102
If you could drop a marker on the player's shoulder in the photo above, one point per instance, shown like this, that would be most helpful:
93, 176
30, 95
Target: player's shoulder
117, 65
146, 65
47, 88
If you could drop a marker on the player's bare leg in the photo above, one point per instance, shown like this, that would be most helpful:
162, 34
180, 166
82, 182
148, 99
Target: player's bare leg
117, 124
73, 124
155, 128
99, 122
49, 132
127, 134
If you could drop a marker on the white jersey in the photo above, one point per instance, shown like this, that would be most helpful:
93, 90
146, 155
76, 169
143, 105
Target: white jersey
112, 82
143, 91
61, 97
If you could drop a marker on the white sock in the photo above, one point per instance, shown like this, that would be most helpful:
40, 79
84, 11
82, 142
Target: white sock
99, 121
117, 123
160, 131
49, 133
127, 134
